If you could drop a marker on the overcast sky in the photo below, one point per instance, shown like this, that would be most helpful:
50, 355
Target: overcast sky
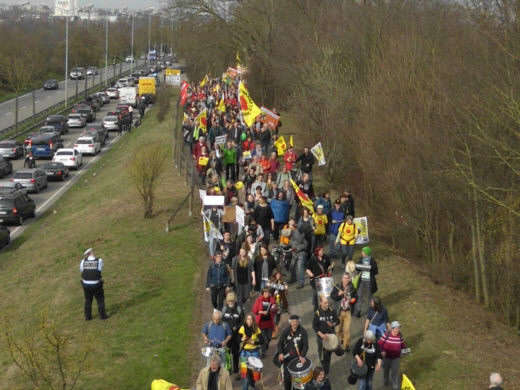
131, 4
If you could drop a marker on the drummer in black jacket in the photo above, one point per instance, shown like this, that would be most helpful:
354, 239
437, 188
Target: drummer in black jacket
324, 322
319, 267
293, 344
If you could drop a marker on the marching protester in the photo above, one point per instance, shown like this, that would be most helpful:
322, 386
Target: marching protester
346, 237
233, 315
377, 318
324, 323
299, 246
346, 295
366, 352
279, 292
367, 282
250, 340
495, 381
391, 345
320, 221
307, 161
319, 380
243, 275
337, 217
319, 267
213, 377
263, 265
217, 334
217, 280
264, 309
293, 346
92, 282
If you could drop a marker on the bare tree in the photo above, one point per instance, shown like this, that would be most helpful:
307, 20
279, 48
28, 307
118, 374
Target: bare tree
45, 355
145, 170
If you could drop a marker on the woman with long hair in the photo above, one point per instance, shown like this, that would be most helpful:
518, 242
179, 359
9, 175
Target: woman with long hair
250, 341
279, 290
243, 275
318, 381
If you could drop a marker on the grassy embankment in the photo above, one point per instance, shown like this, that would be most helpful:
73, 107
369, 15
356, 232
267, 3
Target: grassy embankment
456, 343
6, 94
151, 277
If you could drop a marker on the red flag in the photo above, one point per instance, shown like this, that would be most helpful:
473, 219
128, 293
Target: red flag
184, 92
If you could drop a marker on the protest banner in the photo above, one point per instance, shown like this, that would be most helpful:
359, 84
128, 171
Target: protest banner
317, 151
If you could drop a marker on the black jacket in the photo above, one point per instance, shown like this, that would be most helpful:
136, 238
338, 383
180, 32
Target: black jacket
319, 322
257, 265
286, 343
335, 297
307, 161
314, 267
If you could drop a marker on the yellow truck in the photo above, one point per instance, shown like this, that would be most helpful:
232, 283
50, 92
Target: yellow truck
146, 86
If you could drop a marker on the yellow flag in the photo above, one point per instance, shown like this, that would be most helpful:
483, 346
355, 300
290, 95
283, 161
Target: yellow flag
406, 384
247, 106
204, 81
221, 106
304, 199
291, 143
186, 117
216, 88
281, 146
238, 59
200, 120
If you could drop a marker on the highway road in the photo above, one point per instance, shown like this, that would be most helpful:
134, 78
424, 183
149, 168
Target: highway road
45, 99
48, 196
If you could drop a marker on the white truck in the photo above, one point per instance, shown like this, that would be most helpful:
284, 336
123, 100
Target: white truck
128, 95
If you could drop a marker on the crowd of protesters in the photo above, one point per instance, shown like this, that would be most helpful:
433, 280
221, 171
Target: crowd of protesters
283, 243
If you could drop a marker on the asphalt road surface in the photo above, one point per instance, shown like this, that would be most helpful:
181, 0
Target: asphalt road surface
47, 98
48, 196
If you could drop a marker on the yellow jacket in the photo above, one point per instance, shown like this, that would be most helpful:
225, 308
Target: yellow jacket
252, 343
320, 221
224, 382
347, 233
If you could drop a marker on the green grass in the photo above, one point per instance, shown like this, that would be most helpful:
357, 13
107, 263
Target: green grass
6, 94
150, 276
456, 343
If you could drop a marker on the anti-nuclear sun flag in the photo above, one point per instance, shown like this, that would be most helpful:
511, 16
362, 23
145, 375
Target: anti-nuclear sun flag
247, 106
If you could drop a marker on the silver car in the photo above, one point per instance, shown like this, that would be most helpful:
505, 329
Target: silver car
33, 179
76, 120
11, 149
110, 122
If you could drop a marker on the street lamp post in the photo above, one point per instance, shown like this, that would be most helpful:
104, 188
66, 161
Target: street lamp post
132, 62
66, 58
106, 48
149, 32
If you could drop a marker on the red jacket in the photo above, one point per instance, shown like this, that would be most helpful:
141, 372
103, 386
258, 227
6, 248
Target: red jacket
273, 166
392, 345
261, 304
290, 159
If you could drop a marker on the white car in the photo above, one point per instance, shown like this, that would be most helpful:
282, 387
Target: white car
110, 123
87, 145
122, 83
129, 59
112, 93
76, 120
71, 158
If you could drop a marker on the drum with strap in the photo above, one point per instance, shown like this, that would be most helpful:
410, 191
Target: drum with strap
301, 373
332, 344
254, 365
324, 286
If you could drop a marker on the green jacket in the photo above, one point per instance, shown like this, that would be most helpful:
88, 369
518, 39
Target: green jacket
229, 157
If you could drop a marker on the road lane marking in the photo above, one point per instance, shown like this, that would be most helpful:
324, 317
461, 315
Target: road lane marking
79, 174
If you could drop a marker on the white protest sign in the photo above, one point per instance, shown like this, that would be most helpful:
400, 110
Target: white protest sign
213, 200
240, 216
220, 140
202, 194
317, 151
362, 226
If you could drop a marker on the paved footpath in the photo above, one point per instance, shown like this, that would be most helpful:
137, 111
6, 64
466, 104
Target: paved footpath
300, 302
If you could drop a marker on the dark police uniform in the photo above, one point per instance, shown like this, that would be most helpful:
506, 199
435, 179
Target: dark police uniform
319, 324
90, 268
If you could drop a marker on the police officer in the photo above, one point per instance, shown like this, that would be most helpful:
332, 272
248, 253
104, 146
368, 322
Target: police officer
293, 344
90, 268
324, 322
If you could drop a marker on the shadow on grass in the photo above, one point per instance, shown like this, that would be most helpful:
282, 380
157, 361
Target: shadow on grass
418, 366
413, 340
395, 296
133, 301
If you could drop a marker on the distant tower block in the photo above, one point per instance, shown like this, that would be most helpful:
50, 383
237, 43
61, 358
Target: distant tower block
66, 8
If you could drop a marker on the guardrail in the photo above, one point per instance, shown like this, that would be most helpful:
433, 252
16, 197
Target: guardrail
38, 119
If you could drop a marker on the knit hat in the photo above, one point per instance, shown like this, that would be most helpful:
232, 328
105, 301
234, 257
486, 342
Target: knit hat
231, 297
366, 250
395, 324
294, 317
